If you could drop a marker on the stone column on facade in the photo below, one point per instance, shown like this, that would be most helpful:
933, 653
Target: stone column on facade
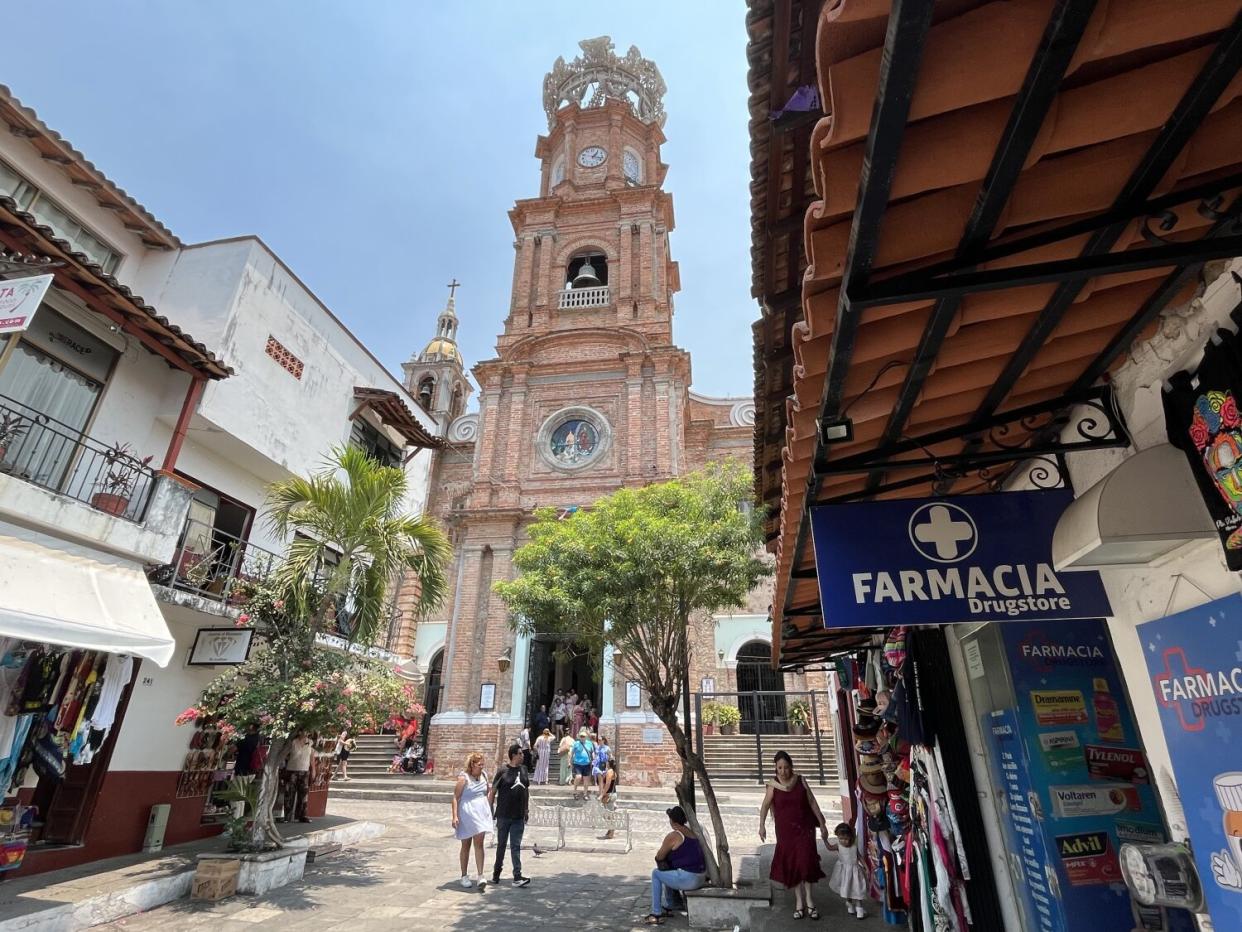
616, 155
664, 439
657, 263
514, 435
634, 414
547, 243
625, 271
458, 667
489, 400
645, 257
521, 272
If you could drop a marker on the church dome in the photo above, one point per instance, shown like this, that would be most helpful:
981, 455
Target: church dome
440, 348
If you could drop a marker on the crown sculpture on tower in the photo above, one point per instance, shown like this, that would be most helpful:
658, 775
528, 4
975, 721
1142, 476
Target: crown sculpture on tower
598, 75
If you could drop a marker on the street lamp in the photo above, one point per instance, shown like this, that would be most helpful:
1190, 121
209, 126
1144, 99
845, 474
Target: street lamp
505, 660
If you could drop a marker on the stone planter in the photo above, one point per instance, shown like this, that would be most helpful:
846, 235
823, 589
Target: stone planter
266, 870
797, 729
728, 729
112, 504
709, 728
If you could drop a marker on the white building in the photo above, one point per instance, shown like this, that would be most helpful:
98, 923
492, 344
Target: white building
282, 384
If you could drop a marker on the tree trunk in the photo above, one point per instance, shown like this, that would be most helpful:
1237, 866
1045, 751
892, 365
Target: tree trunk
720, 867
263, 831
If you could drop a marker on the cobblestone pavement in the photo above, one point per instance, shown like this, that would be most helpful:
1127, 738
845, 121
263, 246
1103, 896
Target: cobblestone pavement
408, 878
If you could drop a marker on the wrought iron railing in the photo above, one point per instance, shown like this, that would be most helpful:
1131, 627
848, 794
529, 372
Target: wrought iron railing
213, 563
585, 297
43, 451
769, 717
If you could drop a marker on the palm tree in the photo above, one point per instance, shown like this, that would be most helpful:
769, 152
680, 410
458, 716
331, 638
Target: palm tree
352, 510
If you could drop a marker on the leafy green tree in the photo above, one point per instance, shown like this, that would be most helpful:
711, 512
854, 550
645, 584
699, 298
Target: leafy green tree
353, 541
630, 571
289, 684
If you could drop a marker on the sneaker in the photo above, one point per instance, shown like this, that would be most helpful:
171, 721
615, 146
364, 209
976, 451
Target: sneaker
860, 913
466, 882
495, 880
521, 881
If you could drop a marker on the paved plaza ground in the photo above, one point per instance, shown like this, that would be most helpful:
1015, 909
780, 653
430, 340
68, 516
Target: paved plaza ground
407, 878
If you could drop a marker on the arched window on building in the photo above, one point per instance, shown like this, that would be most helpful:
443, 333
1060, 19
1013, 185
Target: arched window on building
761, 690
588, 269
426, 391
431, 691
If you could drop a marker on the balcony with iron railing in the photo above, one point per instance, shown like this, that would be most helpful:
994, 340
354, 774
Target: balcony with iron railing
573, 298
213, 565
37, 448
57, 480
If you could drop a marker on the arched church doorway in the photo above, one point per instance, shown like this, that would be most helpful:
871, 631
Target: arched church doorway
433, 684
763, 714
558, 663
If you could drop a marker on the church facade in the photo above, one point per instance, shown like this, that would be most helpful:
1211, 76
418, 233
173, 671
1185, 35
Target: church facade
587, 394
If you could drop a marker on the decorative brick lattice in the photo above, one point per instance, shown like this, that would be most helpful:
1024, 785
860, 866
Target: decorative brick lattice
287, 360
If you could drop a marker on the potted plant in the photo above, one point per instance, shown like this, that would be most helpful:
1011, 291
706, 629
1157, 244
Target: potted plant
799, 717
118, 479
711, 710
12, 426
729, 718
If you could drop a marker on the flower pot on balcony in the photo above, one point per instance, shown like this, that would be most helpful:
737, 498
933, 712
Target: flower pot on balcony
112, 504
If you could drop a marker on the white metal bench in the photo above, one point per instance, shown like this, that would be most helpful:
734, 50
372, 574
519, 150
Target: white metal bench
591, 816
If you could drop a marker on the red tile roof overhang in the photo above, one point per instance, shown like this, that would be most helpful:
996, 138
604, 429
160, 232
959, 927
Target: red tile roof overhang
395, 413
1010, 193
78, 274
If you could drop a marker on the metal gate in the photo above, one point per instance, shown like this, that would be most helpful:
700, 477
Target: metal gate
770, 713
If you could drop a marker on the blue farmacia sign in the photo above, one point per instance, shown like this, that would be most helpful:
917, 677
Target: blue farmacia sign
937, 561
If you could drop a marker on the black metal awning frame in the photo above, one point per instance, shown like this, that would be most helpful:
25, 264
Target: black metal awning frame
947, 283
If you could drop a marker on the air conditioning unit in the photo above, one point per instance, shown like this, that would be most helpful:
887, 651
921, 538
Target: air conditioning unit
157, 823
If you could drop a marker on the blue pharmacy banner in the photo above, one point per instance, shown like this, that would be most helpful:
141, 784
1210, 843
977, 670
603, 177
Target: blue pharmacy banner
1195, 662
1088, 784
937, 560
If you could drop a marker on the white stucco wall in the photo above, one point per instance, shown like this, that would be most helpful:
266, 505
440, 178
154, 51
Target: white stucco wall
148, 739
233, 295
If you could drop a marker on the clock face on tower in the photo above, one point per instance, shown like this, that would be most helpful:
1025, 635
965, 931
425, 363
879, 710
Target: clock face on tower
592, 156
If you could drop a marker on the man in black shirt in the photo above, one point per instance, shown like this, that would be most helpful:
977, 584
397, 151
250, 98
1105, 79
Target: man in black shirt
510, 801
244, 765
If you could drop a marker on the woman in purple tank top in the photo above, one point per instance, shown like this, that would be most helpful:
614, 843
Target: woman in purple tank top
680, 865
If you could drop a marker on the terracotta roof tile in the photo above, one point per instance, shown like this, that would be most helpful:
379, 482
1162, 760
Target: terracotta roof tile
1133, 65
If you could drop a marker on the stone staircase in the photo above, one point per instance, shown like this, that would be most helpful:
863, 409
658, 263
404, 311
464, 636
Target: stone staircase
732, 760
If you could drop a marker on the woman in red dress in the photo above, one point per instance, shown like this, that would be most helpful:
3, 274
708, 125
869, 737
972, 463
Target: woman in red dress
795, 864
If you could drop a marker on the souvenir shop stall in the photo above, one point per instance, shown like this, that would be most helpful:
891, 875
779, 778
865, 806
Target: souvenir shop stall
925, 852
58, 710
210, 763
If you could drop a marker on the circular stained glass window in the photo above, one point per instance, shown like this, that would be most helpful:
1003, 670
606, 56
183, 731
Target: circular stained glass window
573, 441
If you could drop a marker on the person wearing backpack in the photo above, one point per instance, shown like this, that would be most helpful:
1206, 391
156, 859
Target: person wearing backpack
583, 755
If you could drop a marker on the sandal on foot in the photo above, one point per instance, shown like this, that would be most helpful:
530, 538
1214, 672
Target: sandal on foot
654, 920
798, 914
812, 913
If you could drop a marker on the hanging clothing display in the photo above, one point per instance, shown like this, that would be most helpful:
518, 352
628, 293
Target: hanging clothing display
907, 825
59, 705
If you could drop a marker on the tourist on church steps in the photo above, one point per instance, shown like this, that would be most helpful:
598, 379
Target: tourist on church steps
510, 797
795, 864
472, 817
543, 756
599, 766
582, 753
565, 749
542, 720
558, 714
680, 865
524, 745
608, 791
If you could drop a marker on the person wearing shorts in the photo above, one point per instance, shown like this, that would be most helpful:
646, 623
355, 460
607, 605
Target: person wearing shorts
582, 755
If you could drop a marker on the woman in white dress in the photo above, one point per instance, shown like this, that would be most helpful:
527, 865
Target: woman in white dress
472, 817
543, 756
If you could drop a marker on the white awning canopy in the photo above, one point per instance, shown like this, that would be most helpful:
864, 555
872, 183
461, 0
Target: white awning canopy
60, 593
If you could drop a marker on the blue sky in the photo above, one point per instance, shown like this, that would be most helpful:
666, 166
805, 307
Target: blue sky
377, 146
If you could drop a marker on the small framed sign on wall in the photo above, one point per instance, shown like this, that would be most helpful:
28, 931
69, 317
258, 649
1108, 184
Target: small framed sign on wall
487, 697
633, 695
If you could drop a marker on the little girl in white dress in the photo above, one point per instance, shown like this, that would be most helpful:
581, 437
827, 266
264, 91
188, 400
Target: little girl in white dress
849, 877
